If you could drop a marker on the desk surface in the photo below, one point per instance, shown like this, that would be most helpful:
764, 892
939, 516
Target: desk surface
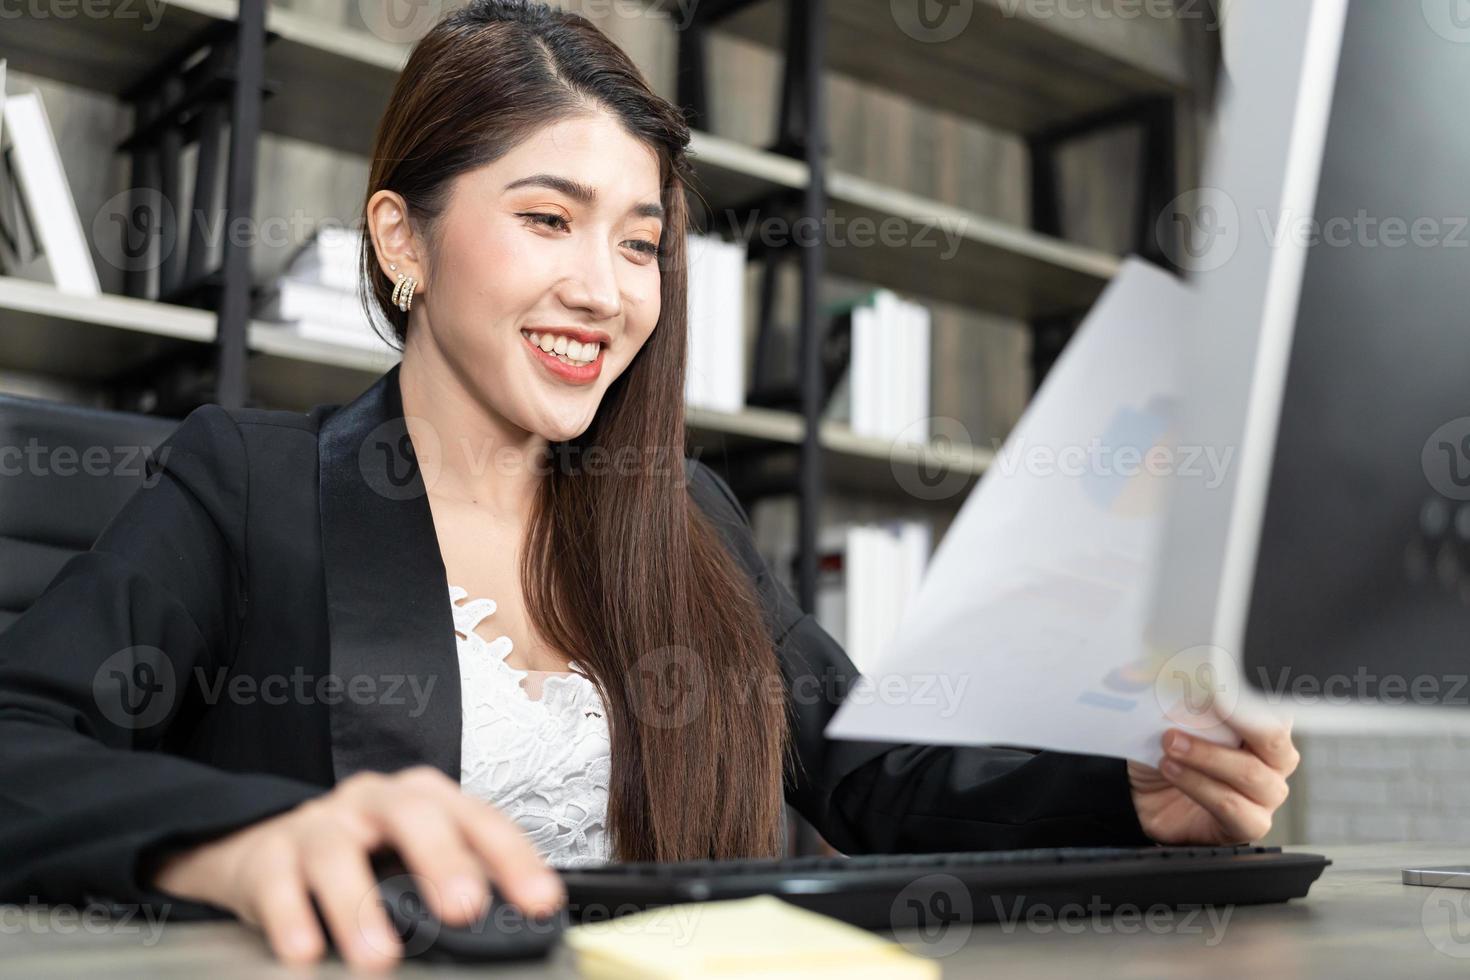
1358, 920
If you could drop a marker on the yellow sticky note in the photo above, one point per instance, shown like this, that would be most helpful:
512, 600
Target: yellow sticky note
749, 937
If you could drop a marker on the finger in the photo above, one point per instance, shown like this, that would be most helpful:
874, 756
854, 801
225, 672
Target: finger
1270, 739
429, 840
1240, 818
516, 868
282, 909
1241, 769
345, 889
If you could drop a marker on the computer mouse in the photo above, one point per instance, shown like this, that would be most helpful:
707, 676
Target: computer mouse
502, 933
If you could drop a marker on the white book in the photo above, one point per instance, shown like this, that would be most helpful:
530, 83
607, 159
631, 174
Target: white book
728, 344
903, 374
914, 333
715, 371
859, 596
695, 376
903, 356
880, 600
887, 358
831, 606
863, 372
901, 552
65, 258
918, 540
8, 209
296, 299
924, 370
329, 259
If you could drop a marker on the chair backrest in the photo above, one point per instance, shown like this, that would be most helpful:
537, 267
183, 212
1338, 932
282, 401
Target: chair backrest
65, 472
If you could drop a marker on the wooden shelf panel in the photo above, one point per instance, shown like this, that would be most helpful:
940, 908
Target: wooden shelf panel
112, 52
912, 245
854, 463
95, 339
90, 338
1020, 70
331, 82
953, 255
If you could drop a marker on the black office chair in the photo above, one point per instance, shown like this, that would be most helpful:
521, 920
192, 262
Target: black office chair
64, 472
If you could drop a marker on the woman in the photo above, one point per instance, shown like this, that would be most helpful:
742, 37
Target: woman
486, 614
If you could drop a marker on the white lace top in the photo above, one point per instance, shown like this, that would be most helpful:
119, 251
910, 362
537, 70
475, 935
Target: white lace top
545, 762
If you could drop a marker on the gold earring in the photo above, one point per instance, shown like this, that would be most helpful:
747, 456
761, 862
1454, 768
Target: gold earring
403, 295
398, 288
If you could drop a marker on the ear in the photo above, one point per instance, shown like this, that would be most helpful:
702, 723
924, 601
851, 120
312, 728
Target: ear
394, 241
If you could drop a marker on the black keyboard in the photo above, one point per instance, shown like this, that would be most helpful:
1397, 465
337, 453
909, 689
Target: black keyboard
898, 891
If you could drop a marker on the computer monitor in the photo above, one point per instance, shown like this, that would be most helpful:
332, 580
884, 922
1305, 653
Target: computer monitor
1330, 571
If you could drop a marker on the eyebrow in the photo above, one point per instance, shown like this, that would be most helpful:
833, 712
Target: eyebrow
581, 193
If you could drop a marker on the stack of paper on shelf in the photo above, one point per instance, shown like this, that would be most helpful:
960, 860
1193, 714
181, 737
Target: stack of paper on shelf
42, 238
317, 297
716, 360
887, 391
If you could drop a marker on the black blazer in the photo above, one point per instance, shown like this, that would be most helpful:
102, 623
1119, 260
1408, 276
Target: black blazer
272, 551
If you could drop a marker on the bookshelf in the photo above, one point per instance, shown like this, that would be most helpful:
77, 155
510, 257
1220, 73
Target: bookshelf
1042, 77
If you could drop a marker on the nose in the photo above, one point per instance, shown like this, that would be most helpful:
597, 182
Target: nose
592, 283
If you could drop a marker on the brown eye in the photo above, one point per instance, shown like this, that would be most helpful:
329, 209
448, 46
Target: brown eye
543, 218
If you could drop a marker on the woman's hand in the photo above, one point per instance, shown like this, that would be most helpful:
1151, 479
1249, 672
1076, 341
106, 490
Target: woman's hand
1206, 793
268, 873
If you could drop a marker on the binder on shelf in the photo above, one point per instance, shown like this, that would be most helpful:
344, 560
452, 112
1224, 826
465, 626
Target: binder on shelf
715, 364
43, 236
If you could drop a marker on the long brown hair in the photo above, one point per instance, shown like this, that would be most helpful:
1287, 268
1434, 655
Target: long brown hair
619, 568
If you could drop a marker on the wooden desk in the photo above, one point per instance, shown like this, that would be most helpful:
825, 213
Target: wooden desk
1358, 921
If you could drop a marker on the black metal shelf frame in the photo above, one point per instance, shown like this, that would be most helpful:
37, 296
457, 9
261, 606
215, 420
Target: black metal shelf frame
210, 86
802, 133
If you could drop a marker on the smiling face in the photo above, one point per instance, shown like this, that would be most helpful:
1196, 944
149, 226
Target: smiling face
545, 280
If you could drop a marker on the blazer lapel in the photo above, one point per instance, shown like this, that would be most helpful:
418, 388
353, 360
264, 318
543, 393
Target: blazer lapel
391, 628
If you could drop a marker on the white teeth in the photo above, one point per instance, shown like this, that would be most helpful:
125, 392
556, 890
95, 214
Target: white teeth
564, 348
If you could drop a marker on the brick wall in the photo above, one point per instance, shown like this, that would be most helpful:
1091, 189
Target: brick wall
1357, 788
